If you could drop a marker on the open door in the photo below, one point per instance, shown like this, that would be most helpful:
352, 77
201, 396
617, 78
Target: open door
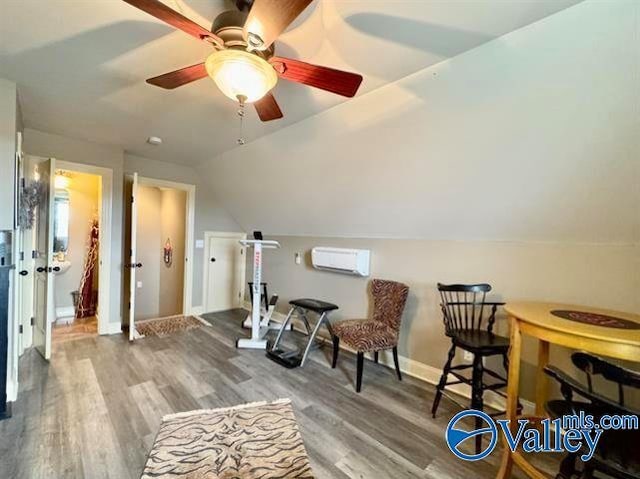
43, 249
131, 217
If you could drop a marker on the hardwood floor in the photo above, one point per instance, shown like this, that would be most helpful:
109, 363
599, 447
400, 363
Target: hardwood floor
78, 329
94, 410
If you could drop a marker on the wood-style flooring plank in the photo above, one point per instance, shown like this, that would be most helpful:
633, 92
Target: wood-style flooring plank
95, 409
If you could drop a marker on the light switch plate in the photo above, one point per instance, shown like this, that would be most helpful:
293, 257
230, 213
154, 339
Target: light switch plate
139, 284
199, 244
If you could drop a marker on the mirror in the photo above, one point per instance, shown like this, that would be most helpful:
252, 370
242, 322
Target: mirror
61, 222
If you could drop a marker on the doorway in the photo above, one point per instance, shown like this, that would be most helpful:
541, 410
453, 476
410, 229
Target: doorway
159, 222
224, 271
73, 215
76, 254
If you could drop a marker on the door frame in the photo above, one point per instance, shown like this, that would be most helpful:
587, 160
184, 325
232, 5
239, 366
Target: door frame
104, 239
189, 233
205, 270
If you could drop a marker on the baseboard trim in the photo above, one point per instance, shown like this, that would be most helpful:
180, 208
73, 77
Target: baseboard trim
65, 312
197, 310
418, 370
113, 328
12, 390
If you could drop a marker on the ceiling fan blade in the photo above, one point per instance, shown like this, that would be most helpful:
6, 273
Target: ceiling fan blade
269, 18
268, 108
329, 79
177, 78
159, 10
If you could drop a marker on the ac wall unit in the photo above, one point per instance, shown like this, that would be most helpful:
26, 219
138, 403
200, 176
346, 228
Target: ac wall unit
341, 260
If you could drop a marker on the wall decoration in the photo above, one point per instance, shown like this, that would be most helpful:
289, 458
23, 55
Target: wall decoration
168, 253
30, 197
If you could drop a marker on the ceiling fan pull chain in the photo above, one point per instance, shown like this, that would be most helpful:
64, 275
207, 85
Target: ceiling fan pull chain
241, 101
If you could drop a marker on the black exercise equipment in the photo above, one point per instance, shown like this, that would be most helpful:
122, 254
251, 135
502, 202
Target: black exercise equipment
295, 358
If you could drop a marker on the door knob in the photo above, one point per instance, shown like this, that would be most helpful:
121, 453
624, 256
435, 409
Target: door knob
40, 269
213, 260
138, 265
56, 268
24, 272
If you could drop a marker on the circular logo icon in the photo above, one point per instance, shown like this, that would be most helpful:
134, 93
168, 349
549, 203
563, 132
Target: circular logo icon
456, 436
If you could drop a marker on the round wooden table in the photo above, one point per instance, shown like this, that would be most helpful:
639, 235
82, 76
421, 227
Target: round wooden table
607, 333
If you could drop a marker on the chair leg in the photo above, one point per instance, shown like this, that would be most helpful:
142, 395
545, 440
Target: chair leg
359, 371
443, 380
375, 357
476, 396
395, 361
336, 349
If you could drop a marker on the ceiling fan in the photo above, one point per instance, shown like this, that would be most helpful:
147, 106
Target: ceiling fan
243, 65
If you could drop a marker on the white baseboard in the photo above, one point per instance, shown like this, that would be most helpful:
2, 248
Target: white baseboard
12, 390
113, 328
421, 371
197, 310
65, 312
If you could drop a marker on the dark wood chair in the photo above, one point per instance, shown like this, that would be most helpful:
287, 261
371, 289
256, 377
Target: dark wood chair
378, 333
616, 454
468, 321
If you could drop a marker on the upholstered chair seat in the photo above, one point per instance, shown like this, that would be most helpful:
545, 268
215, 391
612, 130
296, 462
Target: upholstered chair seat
366, 335
379, 333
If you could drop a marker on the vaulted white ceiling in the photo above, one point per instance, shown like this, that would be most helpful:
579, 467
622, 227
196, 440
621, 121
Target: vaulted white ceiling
80, 66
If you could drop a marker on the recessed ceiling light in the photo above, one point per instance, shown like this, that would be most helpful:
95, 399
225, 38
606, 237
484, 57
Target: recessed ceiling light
154, 140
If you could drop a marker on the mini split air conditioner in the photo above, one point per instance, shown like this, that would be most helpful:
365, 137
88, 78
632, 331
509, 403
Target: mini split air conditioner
341, 260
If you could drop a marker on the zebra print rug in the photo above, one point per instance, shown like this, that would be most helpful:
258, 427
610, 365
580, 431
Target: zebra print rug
163, 326
252, 441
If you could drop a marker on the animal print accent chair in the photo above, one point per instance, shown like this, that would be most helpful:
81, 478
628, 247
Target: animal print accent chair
376, 334
380, 332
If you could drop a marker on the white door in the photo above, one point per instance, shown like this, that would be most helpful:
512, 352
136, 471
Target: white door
26, 271
26, 264
131, 212
225, 274
43, 276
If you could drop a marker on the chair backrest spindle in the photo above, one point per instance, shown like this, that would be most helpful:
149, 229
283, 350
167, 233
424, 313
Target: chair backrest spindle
463, 306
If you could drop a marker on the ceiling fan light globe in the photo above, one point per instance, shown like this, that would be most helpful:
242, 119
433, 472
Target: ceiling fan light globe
238, 73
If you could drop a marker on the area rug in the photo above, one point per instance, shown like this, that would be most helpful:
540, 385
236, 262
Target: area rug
252, 441
164, 326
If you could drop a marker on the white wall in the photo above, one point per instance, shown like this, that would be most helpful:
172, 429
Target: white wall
173, 208
515, 163
532, 136
83, 192
161, 215
107, 156
149, 238
8, 126
210, 215
598, 275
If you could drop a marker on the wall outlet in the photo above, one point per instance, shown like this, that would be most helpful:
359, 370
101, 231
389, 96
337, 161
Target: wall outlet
467, 356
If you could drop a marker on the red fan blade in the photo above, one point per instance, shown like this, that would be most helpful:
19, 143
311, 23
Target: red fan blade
269, 18
335, 81
177, 78
159, 10
268, 108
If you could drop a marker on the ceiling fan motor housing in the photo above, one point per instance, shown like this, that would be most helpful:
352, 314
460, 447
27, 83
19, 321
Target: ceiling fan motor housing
229, 27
